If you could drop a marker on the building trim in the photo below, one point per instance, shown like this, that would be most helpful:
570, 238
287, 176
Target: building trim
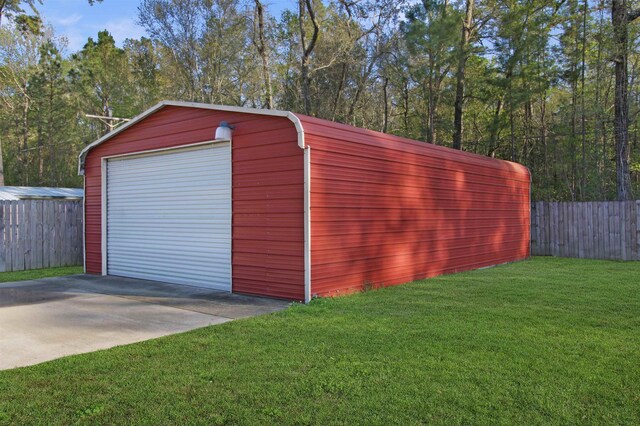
145, 153
268, 112
307, 224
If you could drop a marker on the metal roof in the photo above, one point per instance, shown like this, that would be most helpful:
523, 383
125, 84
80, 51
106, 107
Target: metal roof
34, 192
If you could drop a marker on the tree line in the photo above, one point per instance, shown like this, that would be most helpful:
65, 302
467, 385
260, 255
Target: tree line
552, 84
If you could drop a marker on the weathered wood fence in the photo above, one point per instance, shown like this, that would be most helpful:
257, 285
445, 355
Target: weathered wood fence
593, 230
40, 234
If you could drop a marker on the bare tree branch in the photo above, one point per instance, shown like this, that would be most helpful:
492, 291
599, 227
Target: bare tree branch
632, 15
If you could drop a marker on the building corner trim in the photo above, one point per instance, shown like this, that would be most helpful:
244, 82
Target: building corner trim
307, 224
307, 204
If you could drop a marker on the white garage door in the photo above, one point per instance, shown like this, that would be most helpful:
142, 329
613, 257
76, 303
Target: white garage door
169, 216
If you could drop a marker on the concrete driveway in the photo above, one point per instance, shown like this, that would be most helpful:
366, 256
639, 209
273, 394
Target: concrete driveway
44, 319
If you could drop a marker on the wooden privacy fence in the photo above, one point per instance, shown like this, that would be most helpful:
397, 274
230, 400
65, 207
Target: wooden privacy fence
40, 234
593, 230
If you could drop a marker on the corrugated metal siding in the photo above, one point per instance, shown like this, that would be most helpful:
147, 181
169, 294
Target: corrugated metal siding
387, 210
169, 216
268, 211
267, 231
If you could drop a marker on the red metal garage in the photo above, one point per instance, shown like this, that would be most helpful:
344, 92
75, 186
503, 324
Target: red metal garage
292, 206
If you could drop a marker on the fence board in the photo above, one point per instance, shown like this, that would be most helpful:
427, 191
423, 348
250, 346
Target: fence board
588, 234
611, 235
51, 232
593, 223
566, 251
541, 227
534, 227
57, 242
618, 231
15, 248
40, 234
638, 228
565, 228
544, 228
553, 224
597, 210
26, 238
605, 230
605, 234
632, 231
580, 222
535, 242
6, 207
593, 230
561, 235
586, 231
2, 228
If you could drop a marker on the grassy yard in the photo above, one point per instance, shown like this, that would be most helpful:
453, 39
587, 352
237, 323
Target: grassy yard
34, 274
542, 341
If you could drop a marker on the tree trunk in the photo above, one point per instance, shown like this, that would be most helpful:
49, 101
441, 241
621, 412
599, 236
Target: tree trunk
359, 89
405, 104
458, 124
25, 137
598, 126
528, 141
306, 86
264, 55
336, 99
543, 135
3, 3
620, 20
304, 7
512, 132
1, 166
493, 136
430, 136
433, 116
385, 121
574, 124
583, 119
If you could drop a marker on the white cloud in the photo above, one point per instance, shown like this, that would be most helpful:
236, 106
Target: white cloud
76, 20
76, 30
122, 29
67, 21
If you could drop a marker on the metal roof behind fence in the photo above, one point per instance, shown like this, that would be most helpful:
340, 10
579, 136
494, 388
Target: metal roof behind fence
34, 192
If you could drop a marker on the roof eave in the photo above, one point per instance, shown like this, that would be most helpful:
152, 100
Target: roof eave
269, 112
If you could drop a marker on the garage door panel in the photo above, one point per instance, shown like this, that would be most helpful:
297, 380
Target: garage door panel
173, 277
196, 242
169, 255
196, 264
169, 217
171, 179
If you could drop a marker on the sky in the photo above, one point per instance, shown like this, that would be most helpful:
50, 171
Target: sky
77, 21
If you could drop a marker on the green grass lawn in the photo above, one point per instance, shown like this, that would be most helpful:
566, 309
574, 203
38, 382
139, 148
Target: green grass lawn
537, 342
34, 274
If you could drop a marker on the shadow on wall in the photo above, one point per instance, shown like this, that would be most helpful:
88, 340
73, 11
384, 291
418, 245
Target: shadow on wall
392, 217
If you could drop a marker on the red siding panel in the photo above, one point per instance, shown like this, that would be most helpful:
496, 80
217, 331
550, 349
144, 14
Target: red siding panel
268, 192
387, 210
